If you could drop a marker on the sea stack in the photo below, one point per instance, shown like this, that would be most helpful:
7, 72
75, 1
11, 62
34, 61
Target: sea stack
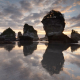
75, 35
54, 24
30, 32
8, 34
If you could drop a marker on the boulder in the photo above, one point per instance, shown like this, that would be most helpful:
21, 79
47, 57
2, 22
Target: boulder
30, 32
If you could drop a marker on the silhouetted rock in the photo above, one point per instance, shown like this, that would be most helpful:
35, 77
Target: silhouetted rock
28, 47
19, 34
25, 38
30, 32
75, 35
62, 38
53, 58
54, 24
8, 34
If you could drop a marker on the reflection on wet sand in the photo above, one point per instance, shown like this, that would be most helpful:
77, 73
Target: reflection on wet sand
74, 47
53, 58
15, 66
28, 47
7, 47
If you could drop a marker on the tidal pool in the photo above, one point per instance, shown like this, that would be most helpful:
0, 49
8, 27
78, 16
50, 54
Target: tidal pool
39, 61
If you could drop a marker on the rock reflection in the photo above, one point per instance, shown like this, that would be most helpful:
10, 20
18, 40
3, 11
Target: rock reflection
74, 47
7, 47
53, 58
28, 47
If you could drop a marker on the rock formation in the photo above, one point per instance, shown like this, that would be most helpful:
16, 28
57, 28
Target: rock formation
30, 32
19, 34
8, 34
54, 24
75, 35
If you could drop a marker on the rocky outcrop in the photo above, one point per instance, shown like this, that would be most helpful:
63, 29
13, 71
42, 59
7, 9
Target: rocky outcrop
30, 32
54, 24
62, 38
75, 35
19, 34
8, 34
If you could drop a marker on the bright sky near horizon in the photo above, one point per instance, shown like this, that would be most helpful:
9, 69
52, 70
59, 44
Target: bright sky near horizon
15, 13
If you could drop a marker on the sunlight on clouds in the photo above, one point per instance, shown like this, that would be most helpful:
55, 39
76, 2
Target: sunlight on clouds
41, 32
67, 32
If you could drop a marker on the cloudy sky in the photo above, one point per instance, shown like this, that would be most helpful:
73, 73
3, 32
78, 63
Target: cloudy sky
15, 13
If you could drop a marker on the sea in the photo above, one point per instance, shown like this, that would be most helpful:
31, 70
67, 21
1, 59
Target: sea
39, 61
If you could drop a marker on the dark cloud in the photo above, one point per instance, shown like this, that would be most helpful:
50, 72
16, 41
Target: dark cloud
26, 5
75, 21
76, 18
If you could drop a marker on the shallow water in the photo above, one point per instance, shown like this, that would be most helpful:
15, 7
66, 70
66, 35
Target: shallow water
39, 61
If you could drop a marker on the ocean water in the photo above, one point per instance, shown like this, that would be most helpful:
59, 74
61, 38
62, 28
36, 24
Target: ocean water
39, 61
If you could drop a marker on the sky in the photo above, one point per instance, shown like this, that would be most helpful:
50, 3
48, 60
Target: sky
15, 13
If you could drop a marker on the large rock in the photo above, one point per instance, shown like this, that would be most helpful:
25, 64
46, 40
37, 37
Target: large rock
53, 23
8, 34
30, 31
75, 35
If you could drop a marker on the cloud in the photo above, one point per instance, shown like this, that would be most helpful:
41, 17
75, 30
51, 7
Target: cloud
26, 5
74, 21
67, 9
